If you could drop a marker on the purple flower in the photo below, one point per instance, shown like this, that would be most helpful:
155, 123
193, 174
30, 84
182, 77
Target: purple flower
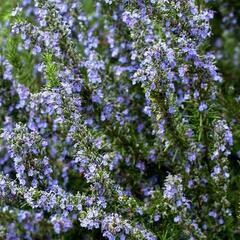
203, 106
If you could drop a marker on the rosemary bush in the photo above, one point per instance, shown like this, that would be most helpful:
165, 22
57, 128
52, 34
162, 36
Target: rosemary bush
119, 119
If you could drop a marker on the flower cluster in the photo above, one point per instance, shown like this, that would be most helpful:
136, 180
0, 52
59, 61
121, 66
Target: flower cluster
121, 136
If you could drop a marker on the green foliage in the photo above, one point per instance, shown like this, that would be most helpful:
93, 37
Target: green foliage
23, 63
50, 71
